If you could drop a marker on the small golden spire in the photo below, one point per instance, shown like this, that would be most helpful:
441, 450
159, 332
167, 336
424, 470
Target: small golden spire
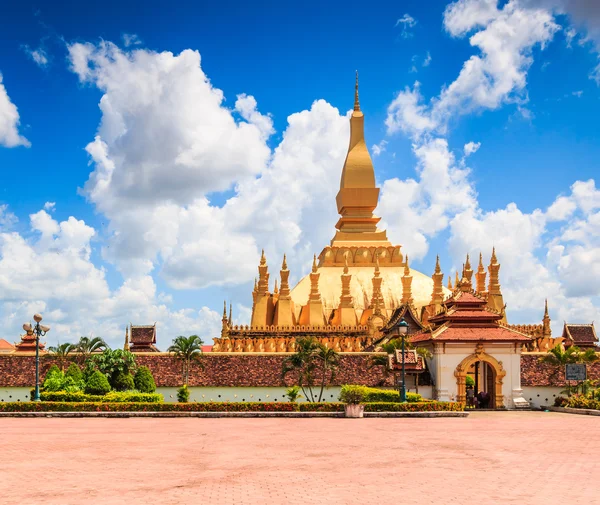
437, 264
493, 259
356, 103
406, 267
480, 261
230, 315
126, 346
456, 279
276, 289
314, 265
546, 310
284, 264
468, 263
224, 309
255, 284
263, 259
449, 282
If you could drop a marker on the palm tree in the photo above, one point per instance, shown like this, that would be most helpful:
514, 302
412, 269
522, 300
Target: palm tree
60, 354
86, 346
312, 360
188, 350
558, 357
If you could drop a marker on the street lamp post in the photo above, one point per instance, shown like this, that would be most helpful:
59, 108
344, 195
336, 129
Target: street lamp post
403, 330
400, 330
39, 330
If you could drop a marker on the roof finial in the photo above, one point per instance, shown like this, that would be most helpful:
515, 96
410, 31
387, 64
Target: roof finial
437, 264
284, 264
546, 309
406, 267
314, 265
494, 259
356, 104
224, 309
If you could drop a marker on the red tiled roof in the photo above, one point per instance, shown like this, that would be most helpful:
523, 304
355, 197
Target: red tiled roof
143, 334
466, 297
580, 333
411, 359
5, 345
461, 333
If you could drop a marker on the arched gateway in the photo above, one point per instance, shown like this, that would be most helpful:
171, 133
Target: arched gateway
498, 374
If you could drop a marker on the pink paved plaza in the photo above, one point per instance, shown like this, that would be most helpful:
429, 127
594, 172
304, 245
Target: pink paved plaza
488, 458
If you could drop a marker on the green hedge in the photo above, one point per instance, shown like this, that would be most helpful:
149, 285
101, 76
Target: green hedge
321, 407
432, 406
222, 407
369, 395
112, 397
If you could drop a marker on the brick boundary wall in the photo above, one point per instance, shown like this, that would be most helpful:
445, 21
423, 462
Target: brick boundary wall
219, 370
262, 370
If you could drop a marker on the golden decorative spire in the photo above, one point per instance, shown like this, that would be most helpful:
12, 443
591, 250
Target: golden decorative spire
437, 296
358, 195
480, 276
377, 301
450, 282
284, 273
276, 289
224, 310
263, 275
456, 279
346, 300
356, 102
468, 272
126, 345
314, 296
230, 321
494, 269
407, 284
546, 328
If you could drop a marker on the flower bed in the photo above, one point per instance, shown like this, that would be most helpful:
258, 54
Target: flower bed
582, 402
222, 407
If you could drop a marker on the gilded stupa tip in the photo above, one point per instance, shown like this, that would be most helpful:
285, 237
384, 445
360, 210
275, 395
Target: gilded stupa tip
437, 264
406, 267
468, 263
276, 289
314, 265
356, 102
494, 259
263, 259
284, 263
546, 309
224, 309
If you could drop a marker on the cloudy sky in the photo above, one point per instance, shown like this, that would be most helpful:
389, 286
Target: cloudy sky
147, 154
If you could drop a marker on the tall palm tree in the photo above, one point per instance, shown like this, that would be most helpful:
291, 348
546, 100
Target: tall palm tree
60, 354
558, 357
188, 350
312, 363
88, 345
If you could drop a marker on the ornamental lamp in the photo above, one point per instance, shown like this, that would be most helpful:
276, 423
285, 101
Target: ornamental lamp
37, 318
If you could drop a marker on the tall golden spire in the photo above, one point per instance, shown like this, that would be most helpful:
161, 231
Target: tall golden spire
126, 345
314, 296
437, 296
284, 273
358, 195
480, 276
450, 282
468, 271
494, 297
546, 329
230, 321
377, 301
283, 310
407, 284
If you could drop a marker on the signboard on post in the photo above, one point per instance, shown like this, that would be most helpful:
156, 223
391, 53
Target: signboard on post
575, 372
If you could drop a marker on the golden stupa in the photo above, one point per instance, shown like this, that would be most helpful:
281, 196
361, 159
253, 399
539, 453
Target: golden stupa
357, 284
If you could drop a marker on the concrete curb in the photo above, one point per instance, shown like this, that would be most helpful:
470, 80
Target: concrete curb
569, 410
229, 414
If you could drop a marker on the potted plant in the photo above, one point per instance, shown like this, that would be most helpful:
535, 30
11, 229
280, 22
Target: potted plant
352, 396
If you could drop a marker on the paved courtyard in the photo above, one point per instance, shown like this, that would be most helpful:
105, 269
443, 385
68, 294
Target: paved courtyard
488, 458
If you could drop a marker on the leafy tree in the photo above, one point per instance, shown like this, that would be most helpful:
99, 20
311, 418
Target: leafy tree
53, 371
313, 364
144, 381
74, 371
60, 354
188, 350
122, 381
87, 346
97, 384
111, 362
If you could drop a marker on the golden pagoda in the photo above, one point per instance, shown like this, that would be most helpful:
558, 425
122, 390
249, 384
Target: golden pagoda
357, 283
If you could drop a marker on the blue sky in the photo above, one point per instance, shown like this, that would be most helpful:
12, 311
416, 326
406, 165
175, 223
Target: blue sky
158, 244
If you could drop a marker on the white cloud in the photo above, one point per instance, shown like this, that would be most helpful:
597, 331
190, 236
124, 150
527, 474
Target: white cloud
131, 39
377, 149
39, 55
497, 75
9, 121
52, 273
427, 60
50, 206
471, 148
407, 22
7, 218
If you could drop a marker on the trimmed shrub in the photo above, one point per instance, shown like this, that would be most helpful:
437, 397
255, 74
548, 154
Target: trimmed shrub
144, 381
122, 381
97, 384
469, 381
53, 371
114, 397
74, 372
183, 394
370, 395
582, 402
433, 406
352, 394
321, 407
